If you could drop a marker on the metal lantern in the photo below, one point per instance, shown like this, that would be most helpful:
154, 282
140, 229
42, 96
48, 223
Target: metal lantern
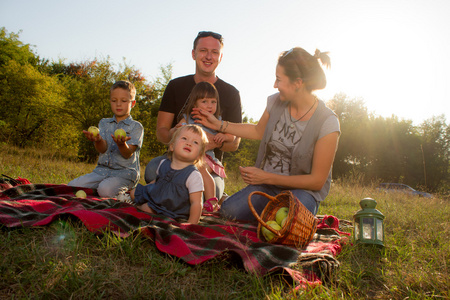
369, 227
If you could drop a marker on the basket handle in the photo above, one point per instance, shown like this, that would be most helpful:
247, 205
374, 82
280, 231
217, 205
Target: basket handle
276, 232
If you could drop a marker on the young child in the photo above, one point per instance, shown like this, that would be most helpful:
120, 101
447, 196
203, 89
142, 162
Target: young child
118, 164
204, 95
178, 189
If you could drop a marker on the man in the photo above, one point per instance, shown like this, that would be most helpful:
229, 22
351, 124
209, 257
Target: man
207, 54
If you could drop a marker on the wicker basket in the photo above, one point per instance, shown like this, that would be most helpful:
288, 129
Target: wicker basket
300, 224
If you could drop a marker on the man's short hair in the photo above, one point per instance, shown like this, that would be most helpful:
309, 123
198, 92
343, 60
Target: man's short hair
203, 34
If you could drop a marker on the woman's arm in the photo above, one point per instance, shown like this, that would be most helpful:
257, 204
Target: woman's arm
196, 207
324, 153
243, 130
230, 146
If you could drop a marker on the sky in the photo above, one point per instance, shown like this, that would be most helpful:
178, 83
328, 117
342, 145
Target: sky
392, 54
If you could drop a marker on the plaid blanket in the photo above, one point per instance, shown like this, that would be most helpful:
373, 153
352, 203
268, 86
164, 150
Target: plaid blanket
29, 205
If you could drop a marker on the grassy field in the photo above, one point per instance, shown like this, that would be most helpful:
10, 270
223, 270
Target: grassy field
36, 264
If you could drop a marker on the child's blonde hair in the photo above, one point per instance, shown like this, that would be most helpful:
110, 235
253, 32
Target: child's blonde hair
197, 130
201, 90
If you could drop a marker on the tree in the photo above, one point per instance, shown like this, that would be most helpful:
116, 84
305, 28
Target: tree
393, 150
28, 100
435, 147
375, 148
351, 156
88, 85
13, 49
147, 104
246, 154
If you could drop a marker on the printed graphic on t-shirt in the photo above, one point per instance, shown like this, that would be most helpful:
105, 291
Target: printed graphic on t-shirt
281, 145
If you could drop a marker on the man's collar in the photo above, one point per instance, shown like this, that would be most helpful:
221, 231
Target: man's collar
197, 80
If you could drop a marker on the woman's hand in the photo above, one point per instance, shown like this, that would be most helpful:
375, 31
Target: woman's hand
254, 176
205, 118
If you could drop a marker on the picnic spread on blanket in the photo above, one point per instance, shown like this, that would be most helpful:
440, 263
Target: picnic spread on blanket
29, 205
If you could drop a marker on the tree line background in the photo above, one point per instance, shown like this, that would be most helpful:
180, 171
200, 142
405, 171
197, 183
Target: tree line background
46, 103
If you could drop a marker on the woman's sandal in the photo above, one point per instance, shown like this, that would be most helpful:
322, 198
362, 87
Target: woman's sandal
211, 205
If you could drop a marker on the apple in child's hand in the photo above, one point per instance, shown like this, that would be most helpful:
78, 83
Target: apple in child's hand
120, 132
281, 214
268, 235
94, 130
80, 194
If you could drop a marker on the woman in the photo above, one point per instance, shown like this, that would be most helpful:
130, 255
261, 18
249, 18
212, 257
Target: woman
299, 137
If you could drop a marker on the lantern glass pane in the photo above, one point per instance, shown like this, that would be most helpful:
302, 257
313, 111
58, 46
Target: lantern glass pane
357, 229
380, 230
368, 228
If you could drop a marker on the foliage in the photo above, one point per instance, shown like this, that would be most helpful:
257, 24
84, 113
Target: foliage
148, 101
390, 149
28, 100
353, 118
87, 103
245, 155
11, 48
435, 150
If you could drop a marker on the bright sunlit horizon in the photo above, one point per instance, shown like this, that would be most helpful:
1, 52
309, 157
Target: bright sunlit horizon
391, 54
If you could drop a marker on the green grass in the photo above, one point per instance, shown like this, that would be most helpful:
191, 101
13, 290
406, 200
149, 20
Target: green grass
65, 260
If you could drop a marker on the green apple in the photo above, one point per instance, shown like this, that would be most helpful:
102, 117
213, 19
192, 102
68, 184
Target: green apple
119, 132
94, 130
80, 194
281, 214
283, 222
268, 235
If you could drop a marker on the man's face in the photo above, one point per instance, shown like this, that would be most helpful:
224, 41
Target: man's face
207, 55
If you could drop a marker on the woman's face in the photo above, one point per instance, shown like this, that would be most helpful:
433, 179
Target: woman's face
284, 85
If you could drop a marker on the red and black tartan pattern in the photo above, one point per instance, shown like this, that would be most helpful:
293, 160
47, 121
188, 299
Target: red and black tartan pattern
32, 205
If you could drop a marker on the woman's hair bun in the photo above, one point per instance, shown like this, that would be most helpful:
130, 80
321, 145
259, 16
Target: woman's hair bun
324, 58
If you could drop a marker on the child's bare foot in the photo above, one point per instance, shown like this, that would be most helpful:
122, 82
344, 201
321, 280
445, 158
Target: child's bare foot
211, 205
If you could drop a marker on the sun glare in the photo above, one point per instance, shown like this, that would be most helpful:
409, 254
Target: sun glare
390, 63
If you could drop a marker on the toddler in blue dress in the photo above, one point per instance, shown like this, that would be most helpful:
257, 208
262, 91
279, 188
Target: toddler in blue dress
178, 189
204, 95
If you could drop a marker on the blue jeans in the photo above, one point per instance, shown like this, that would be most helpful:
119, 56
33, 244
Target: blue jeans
152, 166
236, 206
106, 186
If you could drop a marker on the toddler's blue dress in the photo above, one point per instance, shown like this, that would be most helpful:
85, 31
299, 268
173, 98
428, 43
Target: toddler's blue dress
169, 195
